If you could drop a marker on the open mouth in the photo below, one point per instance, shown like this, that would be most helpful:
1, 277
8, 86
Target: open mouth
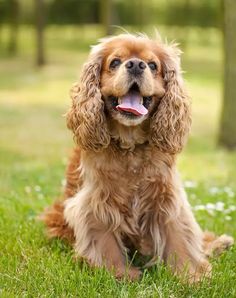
133, 103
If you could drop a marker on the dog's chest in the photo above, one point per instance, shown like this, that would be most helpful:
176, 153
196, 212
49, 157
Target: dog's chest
131, 182
136, 181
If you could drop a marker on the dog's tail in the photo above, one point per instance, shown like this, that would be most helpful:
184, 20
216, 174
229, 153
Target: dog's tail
56, 225
215, 245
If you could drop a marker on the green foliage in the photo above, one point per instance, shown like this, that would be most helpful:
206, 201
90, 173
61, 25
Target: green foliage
204, 13
4, 11
34, 148
73, 12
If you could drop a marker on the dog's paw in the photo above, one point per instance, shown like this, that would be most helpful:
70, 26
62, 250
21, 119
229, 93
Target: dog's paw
131, 273
197, 273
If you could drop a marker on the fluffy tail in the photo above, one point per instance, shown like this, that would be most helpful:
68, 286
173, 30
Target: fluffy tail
55, 222
215, 245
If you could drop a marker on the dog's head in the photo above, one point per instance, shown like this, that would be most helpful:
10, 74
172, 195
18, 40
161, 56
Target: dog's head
131, 79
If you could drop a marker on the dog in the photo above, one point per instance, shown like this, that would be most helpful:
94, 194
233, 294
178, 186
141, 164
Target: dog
131, 116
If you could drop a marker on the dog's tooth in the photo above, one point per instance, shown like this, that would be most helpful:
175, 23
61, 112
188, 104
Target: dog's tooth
119, 101
141, 100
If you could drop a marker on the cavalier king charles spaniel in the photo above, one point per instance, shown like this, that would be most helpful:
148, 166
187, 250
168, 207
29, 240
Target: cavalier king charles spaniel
130, 117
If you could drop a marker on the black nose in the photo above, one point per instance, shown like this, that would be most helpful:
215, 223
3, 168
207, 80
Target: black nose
135, 66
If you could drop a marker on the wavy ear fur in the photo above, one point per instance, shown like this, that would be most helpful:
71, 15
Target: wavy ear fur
86, 116
171, 123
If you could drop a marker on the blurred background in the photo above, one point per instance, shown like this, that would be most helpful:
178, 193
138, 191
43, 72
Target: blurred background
43, 44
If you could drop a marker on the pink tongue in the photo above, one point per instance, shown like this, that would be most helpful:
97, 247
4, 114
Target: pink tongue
131, 103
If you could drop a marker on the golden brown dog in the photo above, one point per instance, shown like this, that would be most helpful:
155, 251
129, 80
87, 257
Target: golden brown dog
130, 116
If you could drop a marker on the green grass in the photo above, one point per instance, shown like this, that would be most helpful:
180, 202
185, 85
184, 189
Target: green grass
34, 147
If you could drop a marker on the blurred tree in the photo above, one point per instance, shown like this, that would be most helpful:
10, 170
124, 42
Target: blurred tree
139, 13
13, 19
39, 25
227, 136
73, 11
106, 16
204, 13
187, 9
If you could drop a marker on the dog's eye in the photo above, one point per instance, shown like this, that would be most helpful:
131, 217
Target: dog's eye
152, 65
115, 62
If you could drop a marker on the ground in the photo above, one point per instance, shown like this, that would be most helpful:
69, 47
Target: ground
34, 147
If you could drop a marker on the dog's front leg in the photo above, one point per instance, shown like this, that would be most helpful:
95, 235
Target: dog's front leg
94, 242
183, 249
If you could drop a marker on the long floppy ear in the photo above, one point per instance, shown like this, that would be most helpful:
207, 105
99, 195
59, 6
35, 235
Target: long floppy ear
171, 122
86, 116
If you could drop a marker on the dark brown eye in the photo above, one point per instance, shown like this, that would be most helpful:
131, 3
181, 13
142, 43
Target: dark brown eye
152, 65
115, 62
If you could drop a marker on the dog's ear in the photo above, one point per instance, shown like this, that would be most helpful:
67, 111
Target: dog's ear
171, 122
86, 116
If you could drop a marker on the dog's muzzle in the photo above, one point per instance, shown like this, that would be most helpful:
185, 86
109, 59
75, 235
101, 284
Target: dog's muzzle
135, 67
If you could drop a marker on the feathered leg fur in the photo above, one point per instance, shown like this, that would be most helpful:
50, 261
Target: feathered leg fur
183, 241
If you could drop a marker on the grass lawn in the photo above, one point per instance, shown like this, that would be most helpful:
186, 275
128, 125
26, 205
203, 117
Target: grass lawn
35, 144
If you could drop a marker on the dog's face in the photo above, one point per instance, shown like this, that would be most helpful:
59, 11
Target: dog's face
131, 80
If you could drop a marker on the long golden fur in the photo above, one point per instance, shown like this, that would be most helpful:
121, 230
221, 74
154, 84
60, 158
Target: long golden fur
123, 191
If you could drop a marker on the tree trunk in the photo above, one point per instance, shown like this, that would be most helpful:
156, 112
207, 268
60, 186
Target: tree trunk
13, 26
106, 16
185, 32
40, 24
227, 136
